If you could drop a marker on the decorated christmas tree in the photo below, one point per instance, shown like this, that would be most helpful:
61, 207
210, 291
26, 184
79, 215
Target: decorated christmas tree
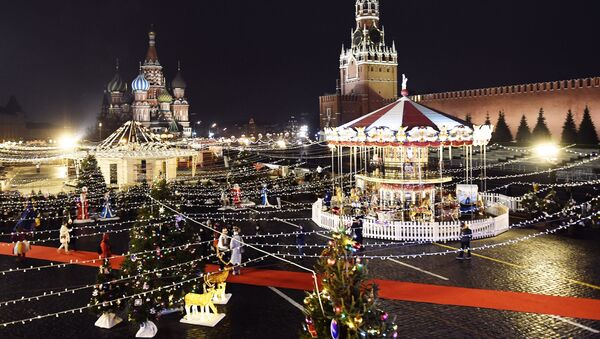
150, 266
90, 176
105, 295
551, 203
532, 204
569, 131
350, 302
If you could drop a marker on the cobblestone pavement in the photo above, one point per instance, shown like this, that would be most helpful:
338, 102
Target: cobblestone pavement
562, 264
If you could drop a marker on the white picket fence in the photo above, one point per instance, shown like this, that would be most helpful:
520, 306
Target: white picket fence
513, 203
412, 231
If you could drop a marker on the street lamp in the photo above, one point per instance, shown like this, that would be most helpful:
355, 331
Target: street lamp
210, 134
547, 151
100, 129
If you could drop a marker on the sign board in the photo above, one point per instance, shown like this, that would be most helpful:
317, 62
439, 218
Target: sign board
466, 194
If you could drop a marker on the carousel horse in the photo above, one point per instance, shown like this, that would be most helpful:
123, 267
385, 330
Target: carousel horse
353, 195
339, 196
194, 300
480, 206
450, 209
412, 212
422, 212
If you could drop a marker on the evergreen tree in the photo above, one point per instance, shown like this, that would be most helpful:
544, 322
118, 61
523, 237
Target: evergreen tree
532, 204
90, 176
487, 119
105, 291
502, 132
587, 131
349, 301
523, 133
145, 237
569, 131
540, 131
468, 118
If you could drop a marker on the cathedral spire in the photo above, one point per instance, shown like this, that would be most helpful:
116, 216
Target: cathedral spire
151, 55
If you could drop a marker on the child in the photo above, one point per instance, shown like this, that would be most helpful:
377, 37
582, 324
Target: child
21, 243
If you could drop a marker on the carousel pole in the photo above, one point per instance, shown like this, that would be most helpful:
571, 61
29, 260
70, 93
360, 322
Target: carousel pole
485, 167
481, 167
465, 155
402, 163
332, 171
340, 167
441, 167
471, 162
350, 165
355, 158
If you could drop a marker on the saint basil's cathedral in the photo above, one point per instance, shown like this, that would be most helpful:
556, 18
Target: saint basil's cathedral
149, 101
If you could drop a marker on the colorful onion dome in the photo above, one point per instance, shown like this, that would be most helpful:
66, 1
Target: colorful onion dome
164, 96
178, 81
140, 83
116, 84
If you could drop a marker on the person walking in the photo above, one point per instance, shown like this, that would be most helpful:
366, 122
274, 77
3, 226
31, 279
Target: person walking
277, 194
466, 234
223, 248
64, 238
236, 250
357, 228
19, 237
300, 240
105, 252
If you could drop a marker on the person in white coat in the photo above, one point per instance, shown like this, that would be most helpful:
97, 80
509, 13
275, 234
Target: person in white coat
236, 250
223, 246
65, 238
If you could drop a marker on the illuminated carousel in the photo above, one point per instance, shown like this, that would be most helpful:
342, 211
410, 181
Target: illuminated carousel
396, 167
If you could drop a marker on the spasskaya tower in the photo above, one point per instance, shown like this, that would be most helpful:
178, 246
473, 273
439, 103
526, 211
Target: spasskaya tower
368, 77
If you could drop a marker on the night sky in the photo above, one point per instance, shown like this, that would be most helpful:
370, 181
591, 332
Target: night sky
270, 59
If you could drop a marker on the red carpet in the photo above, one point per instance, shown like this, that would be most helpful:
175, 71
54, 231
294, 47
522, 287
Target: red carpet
435, 294
49, 253
389, 289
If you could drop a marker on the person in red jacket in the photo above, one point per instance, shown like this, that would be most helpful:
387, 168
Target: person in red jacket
105, 247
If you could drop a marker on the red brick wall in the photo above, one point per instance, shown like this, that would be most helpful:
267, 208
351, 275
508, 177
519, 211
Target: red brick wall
555, 97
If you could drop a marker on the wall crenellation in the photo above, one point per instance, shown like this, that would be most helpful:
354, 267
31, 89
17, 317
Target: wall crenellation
514, 89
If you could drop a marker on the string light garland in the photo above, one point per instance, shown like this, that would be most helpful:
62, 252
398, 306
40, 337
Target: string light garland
169, 287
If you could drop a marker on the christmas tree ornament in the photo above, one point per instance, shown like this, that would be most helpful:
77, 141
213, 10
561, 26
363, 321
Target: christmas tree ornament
334, 329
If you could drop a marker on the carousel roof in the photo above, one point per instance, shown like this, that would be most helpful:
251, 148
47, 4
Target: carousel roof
136, 141
130, 134
406, 113
407, 122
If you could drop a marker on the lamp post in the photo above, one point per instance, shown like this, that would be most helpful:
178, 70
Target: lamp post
197, 128
210, 134
100, 129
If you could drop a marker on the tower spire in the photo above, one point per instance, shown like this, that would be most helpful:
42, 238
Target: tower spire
151, 55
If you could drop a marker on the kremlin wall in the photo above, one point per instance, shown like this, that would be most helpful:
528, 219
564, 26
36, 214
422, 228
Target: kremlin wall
555, 97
